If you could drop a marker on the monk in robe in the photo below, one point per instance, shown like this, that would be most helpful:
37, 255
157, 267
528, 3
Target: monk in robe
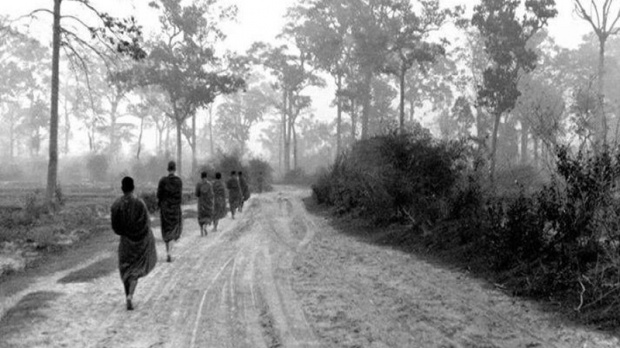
169, 197
245, 190
204, 193
137, 255
219, 200
234, 193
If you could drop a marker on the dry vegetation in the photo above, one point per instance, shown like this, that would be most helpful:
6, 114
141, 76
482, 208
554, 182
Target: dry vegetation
551, 237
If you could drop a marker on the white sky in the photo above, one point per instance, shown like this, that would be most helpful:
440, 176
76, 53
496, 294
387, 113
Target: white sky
262, 19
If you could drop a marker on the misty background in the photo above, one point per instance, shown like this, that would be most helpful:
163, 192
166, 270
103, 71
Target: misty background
123, 120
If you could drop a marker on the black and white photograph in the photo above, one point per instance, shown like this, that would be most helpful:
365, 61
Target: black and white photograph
310, 173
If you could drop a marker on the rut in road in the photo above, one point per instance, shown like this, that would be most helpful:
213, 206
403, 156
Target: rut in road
229, 289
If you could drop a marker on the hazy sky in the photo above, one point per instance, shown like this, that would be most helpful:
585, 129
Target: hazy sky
262, 19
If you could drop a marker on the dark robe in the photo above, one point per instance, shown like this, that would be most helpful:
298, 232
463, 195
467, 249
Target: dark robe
245, 189
219, 200
137, 255
204, 192
170, 196
234, 193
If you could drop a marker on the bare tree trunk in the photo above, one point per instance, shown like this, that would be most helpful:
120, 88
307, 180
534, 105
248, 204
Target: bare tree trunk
353, 120
411, 111
366, 104
602, 135
493, 154
211, 142
67, 127
194, 158
52, 168
167, 142
286, 132
114, 145
179, 124
401, 127
524, 143
12, 136
338, 115
294, 146
536, 152
140, 137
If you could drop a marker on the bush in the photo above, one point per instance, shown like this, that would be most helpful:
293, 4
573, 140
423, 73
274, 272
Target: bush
406, 177
256, 168
226, 163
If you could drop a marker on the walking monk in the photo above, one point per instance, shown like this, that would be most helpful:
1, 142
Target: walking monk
219, 200
170, 196
245, 190
136, 251
234, 193
204, 192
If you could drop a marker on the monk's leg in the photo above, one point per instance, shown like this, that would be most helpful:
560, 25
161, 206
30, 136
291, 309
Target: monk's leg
131, 288
215, 221
168, 251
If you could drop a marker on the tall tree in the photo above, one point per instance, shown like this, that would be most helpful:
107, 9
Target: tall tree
117, 35
289, 66
184, 65
506, 43
326, 27
239, 112
409, 43
603, 16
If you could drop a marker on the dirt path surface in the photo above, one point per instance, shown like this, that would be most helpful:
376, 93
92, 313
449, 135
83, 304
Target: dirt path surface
277, 276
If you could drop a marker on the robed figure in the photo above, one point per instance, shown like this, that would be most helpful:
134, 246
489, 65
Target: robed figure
137, 255
245, 190
204, 193
235, 196
219, 200
170, 197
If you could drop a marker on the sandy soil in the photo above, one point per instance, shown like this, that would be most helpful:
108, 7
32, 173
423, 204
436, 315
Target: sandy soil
277, 276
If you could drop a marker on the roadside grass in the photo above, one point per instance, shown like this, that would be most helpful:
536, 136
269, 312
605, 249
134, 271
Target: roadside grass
100, 239
28, 311
96, 270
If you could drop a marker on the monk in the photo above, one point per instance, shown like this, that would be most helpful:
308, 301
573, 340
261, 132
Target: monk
170, 196
219, 200
204, 193
245, 190
234, 193
137, 255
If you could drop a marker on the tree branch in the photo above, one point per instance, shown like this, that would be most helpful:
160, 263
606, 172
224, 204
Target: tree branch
77, 20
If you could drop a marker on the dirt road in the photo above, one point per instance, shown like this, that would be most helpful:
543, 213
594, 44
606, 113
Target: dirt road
277, 276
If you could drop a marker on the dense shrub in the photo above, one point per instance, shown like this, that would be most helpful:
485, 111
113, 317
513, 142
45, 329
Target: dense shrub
257, 168
395, 176
226, 163
542, 235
